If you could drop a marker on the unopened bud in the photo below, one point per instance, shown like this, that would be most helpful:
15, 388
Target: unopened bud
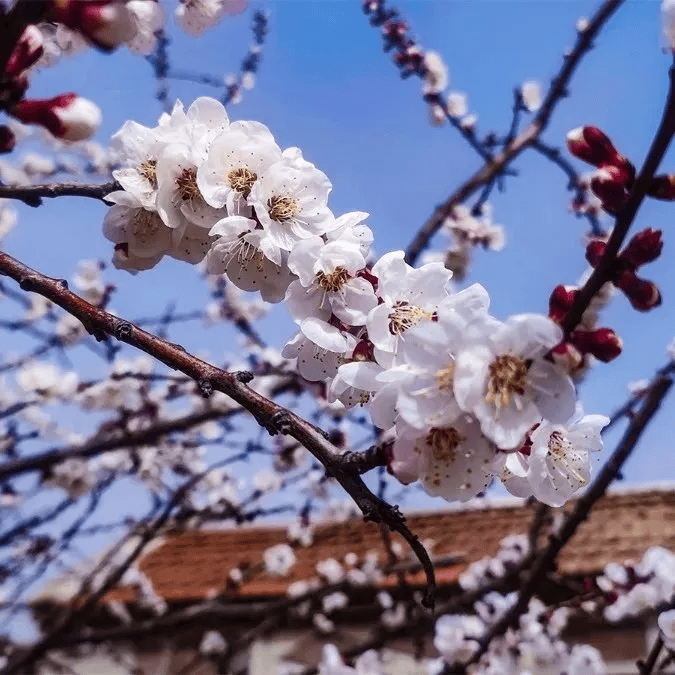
567, 356
602, 343
594, 251
591, 145
26, 52
7, 139
609, 185
643, 295
67, 116
364, 351
644, 247
105, 23
560, 302
662, 187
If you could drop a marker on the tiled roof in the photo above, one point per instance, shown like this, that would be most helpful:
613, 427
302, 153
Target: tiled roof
194, 565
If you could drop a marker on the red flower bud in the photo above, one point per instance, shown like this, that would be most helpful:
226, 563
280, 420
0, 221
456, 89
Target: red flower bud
609, 185
644, 247
594, 251
7, 139
593, 146
662, 187
105, 23
26, 52
567, 356
643, 295
364, 351
560, 302
602, 343
67, 116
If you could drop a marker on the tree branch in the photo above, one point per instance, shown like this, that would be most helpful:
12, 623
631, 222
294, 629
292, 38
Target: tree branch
492, 169
33, 194
272, 417
604, 270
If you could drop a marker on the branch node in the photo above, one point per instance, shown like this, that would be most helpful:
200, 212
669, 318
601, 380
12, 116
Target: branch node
244, 376
279, 424
205, 387
123, 331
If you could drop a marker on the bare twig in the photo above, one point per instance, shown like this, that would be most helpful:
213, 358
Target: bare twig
498, 164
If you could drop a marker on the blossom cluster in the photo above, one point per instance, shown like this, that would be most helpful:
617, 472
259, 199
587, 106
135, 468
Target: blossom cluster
535, 645
467, 397
632, 588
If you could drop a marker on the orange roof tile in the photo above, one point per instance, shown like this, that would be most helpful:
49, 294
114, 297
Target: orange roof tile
621, 526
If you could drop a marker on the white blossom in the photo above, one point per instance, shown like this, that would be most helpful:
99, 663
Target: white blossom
666, 623
328, 283
435, 73
668, 23
501, 377
279, 559
290, 201
453, 462
530, 93
236, 159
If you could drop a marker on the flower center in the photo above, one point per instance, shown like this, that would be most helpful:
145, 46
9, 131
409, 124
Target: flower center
405, 316
186, 184
149, 171
561, 448
558, 444
144, 223
241, 180
445, 377
282, 209
444, 443
507, 376
333, 281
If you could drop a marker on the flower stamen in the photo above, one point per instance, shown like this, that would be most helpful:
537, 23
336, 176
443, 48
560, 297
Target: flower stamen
445, 377
333, 281
405, 316
186, 184
148, 170
241, 180
444, 443
282, 209
507, 377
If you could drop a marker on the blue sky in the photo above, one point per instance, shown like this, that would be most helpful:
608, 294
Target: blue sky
326, 86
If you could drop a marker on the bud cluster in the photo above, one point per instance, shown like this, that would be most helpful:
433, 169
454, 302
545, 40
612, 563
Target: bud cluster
412, 59
602, 343
643, 248
615, 174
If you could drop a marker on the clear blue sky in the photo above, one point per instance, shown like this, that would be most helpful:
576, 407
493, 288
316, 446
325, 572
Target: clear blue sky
326, 86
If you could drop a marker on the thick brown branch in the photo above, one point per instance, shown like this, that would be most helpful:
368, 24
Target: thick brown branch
269, 415
33, 194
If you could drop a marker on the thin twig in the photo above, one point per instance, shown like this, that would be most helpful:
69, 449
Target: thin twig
490, 170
